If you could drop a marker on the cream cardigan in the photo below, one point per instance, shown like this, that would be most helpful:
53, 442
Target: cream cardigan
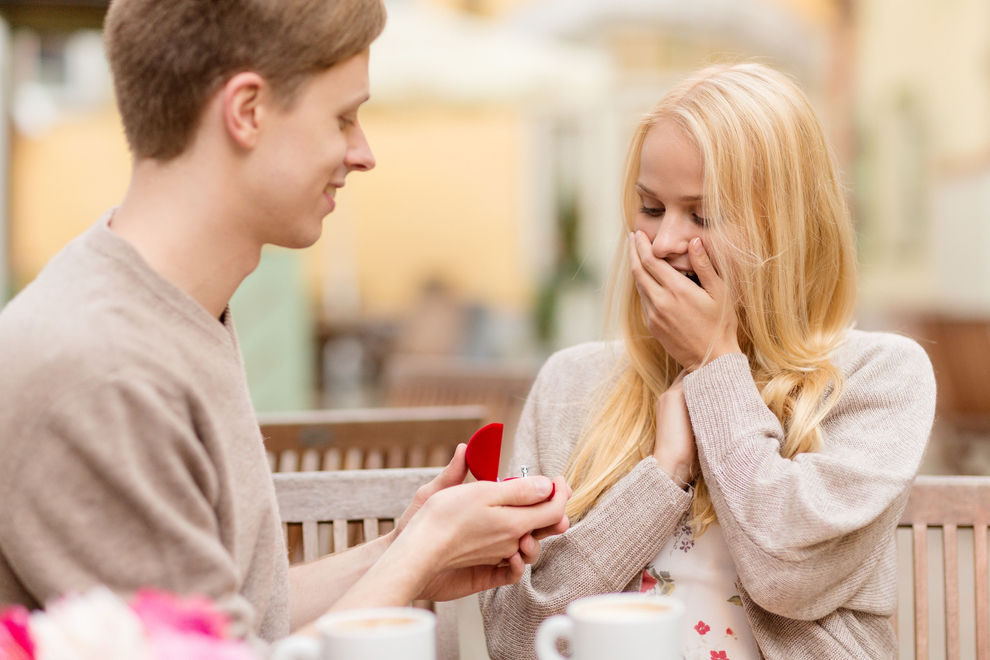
811, 537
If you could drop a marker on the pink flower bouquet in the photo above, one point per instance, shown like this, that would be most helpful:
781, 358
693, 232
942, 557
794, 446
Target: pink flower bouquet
101, 626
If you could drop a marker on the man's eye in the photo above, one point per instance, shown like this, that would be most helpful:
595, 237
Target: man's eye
652, 211
345, 122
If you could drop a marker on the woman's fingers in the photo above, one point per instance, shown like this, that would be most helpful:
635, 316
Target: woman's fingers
704, 268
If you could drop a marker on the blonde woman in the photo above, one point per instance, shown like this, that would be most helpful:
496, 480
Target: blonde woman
742, 447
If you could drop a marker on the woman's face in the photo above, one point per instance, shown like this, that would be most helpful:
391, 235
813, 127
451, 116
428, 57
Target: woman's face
671, 207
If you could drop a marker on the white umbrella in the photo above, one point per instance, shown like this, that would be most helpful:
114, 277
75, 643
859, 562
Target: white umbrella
429, 53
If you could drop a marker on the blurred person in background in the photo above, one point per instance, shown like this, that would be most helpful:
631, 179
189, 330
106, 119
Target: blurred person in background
743, 448
131, 454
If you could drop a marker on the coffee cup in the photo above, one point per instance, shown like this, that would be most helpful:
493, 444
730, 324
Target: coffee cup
631, 626
382, 633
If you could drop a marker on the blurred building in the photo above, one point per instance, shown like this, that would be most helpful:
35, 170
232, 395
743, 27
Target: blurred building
500, 129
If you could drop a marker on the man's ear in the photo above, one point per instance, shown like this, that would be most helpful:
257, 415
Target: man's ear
242, 106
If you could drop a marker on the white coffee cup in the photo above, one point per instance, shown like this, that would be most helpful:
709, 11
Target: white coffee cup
382, 633
631, 626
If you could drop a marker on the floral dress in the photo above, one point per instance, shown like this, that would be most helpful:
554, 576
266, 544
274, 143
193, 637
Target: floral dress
699, 571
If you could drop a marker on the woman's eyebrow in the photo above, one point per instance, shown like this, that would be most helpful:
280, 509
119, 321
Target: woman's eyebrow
646, 191
686, 199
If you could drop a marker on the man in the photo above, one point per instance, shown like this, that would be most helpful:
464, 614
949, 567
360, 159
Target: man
131, 454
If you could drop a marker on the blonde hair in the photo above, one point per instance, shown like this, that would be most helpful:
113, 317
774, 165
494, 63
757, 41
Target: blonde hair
782, 239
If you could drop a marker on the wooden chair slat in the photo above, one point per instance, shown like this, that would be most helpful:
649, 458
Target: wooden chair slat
310, 548
982, 590
949, 503
374, 459
332, 460
310, 461
288, 461
339, 534
395, 457
370, 528
359, 438
920, 548
353, 459
950, 562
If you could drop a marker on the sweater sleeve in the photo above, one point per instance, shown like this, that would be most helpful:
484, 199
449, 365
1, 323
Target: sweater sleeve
600, 554
807, 533
133, 506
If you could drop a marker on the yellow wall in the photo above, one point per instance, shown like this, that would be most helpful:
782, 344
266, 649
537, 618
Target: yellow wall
443, 201
61, 183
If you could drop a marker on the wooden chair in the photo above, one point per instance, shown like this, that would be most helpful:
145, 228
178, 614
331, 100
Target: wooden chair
959, 348
367, 437
326, 504
952, 504
502, 388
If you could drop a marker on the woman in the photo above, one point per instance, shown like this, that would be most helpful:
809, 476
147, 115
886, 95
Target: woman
742, 448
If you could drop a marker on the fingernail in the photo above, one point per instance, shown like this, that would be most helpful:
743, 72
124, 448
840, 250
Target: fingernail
696, 245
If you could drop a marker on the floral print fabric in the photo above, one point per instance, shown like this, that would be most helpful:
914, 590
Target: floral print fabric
699, 571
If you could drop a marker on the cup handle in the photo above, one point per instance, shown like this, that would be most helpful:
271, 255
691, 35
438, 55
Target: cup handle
552, 629
297, 647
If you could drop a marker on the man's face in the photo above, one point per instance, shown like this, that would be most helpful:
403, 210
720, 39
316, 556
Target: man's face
305, 152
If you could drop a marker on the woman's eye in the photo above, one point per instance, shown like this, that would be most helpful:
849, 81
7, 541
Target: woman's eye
698, 220
652, 211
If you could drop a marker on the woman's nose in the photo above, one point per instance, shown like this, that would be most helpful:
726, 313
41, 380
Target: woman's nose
672, 237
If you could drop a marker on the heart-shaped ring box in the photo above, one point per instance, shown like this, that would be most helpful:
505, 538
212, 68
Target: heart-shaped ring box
483, 452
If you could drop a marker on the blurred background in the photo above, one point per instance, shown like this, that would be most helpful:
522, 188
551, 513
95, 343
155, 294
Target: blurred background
482, 240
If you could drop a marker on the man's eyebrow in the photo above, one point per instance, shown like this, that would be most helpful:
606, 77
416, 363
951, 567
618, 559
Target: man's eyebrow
357, 102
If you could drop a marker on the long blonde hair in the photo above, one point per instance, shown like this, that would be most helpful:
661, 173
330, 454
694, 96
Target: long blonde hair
782, 239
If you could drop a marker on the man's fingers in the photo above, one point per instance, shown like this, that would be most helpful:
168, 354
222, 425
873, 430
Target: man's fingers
456, 470
521, 492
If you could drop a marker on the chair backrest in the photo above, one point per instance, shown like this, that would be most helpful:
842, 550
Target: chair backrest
327, 506
502, 388
959, 348
952, 503
367, 437
330, 500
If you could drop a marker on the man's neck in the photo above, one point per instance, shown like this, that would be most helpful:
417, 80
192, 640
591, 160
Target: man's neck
180, 219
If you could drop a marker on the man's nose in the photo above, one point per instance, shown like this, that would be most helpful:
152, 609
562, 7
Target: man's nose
359, 155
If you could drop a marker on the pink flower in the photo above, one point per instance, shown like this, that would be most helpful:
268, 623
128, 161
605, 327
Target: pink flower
168, 645
15, 638
702, 627
719, 655
163, 612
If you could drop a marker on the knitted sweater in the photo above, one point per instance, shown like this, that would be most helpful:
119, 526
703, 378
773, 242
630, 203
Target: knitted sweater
812, 537
130, 454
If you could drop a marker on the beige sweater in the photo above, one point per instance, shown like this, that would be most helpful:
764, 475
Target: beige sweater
812, 537
129, 450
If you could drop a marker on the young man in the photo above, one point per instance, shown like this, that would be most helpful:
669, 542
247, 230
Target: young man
131, 454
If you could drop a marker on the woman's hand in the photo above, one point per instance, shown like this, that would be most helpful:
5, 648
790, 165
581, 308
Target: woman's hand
674, 446
685, 318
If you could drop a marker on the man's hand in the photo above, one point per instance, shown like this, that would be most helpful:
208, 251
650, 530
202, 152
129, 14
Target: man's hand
452, 475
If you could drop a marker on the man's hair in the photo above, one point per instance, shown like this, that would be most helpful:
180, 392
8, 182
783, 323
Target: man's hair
168, 57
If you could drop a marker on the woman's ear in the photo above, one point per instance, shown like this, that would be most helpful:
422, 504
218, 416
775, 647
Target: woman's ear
242, 107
